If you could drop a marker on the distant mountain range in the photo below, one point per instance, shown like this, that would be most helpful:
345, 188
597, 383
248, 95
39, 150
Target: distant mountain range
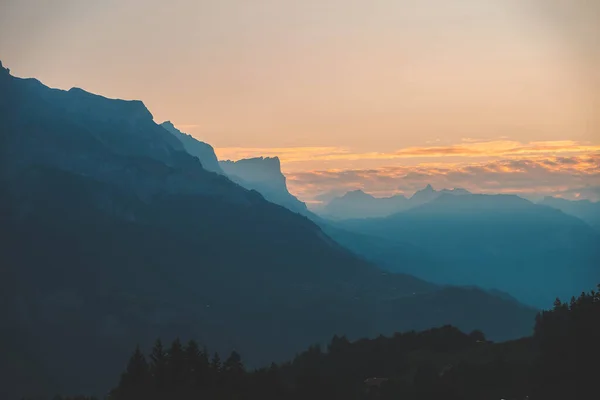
470, 254
358, 204
583, 209
115, 233
503, 242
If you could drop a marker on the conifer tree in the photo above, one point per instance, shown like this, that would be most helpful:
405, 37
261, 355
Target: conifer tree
176, 365
135, 380
159, 367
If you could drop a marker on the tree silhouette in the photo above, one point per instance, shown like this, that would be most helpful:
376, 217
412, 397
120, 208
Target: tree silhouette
136, 378
159, 368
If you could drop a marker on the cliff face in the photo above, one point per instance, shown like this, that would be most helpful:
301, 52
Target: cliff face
264, 175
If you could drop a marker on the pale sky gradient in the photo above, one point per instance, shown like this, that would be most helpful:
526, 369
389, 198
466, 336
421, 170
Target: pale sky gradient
344, 85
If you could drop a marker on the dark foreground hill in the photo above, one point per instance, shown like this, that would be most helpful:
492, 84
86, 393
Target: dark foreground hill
113, 235
560, 361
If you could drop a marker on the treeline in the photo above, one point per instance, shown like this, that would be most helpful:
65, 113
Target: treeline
568, 337
560, 361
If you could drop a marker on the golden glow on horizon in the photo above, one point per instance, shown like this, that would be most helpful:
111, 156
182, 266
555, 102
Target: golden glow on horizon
303, 158
569, 176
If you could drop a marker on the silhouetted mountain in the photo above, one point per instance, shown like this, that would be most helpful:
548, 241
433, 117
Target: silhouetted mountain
358, 204
428, 194
114, 235
424, 195
204, 151
263, 174
583, 209
504, 242
260, 174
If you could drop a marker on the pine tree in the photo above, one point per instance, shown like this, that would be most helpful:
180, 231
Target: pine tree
196, 365
176, 366
158, 367
134, 381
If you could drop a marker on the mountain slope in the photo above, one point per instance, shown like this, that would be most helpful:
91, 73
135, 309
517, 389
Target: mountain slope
204, 151
504, 242
115, 236
583, 209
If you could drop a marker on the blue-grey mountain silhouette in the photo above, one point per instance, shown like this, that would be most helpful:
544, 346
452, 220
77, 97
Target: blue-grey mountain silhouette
585, 210
358, 204
113, 235
263, 174
204, 151
504, 242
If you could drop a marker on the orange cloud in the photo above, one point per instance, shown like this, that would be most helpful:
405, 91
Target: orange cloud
312, 158
499, 166
575, 176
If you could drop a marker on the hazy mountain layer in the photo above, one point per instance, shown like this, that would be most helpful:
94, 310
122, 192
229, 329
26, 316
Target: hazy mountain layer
263, 174
358, 204
583, 209
504, 242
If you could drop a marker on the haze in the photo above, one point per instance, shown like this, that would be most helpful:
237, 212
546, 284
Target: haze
494, 96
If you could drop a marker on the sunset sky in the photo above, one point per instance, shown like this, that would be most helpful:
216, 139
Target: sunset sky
383, 95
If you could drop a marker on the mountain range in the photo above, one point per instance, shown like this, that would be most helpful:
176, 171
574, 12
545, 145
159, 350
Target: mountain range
358, 204
585, 210
531, 251
117, 232
510, 269
534, 242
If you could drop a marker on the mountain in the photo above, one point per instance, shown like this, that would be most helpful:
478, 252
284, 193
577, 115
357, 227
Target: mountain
204, 151
358, 204
264, 175
502, 242
113, 235
260, 174
425, 195
583, 209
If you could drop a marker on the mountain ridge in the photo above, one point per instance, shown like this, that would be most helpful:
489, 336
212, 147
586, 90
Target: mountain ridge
204, 151
498, 242
585, 210
134, 239
358, 204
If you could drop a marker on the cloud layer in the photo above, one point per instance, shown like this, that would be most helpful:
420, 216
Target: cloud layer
568, 176
315, 174
297, 158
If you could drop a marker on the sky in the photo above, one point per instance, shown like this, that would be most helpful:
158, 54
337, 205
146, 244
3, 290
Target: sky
381, 95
